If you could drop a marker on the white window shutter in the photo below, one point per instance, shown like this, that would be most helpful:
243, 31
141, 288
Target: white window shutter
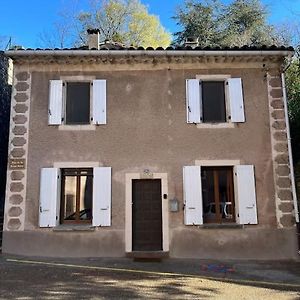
99, 102
236, 99
193, 101
55, 102
193, 211
49, 197
245, 194
102, 196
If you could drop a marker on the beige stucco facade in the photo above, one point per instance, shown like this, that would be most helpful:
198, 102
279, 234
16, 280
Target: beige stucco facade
147, 130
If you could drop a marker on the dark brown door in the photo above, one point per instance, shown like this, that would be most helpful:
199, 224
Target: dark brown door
146, 215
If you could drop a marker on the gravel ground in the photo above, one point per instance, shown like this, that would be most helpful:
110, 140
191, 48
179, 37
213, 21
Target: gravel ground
41, 278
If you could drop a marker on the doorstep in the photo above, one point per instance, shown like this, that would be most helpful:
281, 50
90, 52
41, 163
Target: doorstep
148, 254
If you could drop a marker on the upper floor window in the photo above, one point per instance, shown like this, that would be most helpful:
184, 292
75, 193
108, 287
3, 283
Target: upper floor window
77, 107
77, 102
214, 101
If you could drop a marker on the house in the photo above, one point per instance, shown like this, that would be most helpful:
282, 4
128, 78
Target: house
179, 152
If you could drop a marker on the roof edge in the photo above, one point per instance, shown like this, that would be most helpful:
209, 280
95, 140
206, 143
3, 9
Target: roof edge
59, 53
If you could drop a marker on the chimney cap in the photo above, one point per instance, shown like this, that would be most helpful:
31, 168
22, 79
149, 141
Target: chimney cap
93, 31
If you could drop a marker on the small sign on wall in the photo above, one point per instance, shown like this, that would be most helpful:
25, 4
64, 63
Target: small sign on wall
17, 163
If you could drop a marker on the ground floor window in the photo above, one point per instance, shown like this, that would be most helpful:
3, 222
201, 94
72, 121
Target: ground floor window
76, 195
217, 194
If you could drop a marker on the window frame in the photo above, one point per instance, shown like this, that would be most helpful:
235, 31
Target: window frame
218, 214
79, 79
65, 84
227, 123
77, 221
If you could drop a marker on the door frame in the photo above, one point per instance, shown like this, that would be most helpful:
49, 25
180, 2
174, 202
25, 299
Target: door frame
128, 209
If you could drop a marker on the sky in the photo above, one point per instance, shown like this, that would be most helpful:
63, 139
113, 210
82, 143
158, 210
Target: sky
26, 20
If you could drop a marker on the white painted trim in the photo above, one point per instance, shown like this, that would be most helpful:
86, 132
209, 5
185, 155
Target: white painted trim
128, 208
217, 163
88, 164
87, 127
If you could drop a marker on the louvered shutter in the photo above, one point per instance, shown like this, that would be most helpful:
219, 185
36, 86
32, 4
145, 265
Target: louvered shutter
99, 101
193, 101
193, 211
236, 99
49, 197
245, 194
102, 196
55, 109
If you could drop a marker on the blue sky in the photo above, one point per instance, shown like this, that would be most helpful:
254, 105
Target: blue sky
24, 20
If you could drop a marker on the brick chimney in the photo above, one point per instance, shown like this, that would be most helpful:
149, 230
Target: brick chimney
192, 42
93, 38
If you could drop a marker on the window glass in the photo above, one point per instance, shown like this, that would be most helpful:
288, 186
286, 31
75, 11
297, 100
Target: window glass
213, 101
77, 195
78, 103
217, 194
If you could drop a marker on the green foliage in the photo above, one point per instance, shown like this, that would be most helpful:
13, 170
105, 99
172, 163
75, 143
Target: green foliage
242, 22
127, 22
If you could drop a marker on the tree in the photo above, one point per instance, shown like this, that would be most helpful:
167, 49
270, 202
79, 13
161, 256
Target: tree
242, 22
199, 20
124, 21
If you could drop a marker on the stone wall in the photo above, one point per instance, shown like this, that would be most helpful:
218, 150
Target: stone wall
18, 144
283, 187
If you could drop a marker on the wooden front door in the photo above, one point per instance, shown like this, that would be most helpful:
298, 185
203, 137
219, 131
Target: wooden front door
146, 215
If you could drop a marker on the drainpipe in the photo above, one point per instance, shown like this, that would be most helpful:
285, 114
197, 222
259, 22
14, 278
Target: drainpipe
290, 150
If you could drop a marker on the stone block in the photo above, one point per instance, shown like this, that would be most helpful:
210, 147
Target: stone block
21, 97
279, 125
19, 130
277, 104
16, 175
286, 207
287, 220
22, 86
285, 195
282, 159
18, 141
20, 108
14, 224
20, 119
22, 76
15, 199
281, 147
280, 136
278, 114
283, 170
16, 187
15, 211
275, 82
284, 182
276, 93
17, 152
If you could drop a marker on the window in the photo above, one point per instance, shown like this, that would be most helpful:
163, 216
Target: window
76, 195
217, 194
77, 102
214, 101
214, 194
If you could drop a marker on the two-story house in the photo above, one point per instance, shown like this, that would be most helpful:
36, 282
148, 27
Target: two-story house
179, 152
